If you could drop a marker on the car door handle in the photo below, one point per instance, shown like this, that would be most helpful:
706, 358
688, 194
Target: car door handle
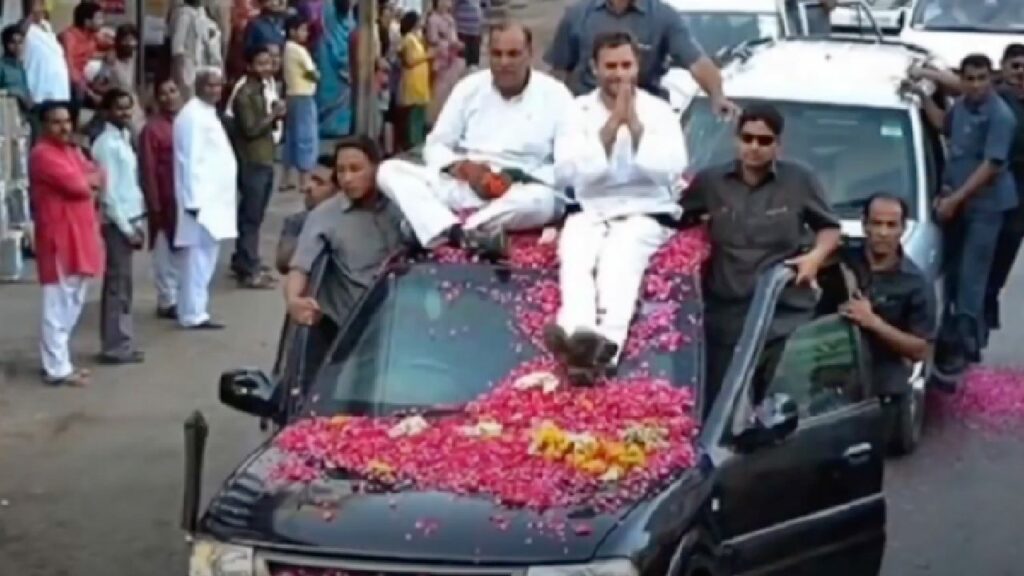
858, 454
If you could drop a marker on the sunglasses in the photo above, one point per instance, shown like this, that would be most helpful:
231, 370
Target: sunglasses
761, 139
1015, 65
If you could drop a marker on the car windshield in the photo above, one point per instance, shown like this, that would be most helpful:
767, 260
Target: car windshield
717, 30
438, 336
1006, 16
855, 151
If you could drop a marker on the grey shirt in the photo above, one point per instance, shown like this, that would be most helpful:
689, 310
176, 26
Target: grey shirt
359, 240
754, 228
657, 27
976, 133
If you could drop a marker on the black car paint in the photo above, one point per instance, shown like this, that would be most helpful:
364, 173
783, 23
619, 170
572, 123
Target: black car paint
743, 511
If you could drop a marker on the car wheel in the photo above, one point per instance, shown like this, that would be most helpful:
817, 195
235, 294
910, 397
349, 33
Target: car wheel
909, 422
702, 565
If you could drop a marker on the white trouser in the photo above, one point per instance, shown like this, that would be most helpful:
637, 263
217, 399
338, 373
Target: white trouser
602, 267
165, 272
427, 200
62, 306
196, 265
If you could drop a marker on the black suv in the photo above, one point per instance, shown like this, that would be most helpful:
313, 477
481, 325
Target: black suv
793, 486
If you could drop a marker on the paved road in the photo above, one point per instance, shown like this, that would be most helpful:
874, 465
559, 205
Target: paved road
90, 481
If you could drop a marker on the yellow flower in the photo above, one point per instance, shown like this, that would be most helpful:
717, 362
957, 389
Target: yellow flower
339, 421
634, 456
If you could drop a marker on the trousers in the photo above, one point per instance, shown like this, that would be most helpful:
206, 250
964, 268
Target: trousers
116, 331
1007, 247
165, 272
602, 264
256, 184
972, 241
62, 306
428, 200
196, 265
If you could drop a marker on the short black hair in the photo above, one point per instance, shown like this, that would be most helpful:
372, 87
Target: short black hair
294, 22
364, 144
256, 50
325, 161
48, 107
409, 21
1014, 50
613, 39
887, 197
111, 98
9, 33
976, 61
508, 25
84, 12
766, 113
125, 31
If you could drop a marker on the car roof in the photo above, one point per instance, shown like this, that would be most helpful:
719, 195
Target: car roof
847, 71
741, 6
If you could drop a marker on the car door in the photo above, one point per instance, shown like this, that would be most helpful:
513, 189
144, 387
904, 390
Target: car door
812, 503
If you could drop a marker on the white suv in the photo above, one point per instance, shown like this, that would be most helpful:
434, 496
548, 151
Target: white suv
846, 118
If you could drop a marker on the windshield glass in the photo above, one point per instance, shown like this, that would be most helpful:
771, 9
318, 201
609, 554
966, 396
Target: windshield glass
855, 151
717, 30
970, 15
439, 342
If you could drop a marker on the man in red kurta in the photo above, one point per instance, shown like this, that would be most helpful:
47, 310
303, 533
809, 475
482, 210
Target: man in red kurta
80, 46
63, 185
156, 159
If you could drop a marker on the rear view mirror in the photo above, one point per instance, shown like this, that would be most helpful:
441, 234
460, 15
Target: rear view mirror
248, 390
773, 421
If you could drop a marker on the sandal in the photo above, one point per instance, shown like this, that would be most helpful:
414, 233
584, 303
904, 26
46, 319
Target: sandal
77, 379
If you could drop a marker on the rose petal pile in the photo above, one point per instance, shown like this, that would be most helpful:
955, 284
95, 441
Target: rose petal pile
533, 441
991, 398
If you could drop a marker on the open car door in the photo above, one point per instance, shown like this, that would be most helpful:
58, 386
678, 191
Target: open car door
809, 501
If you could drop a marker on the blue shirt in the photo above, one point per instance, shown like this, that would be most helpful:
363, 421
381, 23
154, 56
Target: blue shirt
658, 29
264, 30
13, 79
978, 133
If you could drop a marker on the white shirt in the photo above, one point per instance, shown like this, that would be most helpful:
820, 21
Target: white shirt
46, 70
479, 124
205, 173
641, 179
122, 199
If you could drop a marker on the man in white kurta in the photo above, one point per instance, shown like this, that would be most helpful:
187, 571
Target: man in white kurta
498, 120
46, 70
204, 187
622, 149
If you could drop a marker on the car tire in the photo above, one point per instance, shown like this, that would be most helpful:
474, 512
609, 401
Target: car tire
908, 426
702, 565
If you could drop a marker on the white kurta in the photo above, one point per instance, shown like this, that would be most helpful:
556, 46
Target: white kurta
205, 176
46, 70
605, 248
479, 124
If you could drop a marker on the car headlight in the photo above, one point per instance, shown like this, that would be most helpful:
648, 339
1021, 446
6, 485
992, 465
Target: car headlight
616, 567
210, 558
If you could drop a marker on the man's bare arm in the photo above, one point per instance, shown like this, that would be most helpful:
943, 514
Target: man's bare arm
903, 343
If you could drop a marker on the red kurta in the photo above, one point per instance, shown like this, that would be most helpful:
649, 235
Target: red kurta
156, 170
67, 231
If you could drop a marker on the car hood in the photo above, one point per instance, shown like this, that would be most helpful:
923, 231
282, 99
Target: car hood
337, 515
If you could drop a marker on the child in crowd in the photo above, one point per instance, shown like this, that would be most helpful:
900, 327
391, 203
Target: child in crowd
300, 78
414, 95
320, 188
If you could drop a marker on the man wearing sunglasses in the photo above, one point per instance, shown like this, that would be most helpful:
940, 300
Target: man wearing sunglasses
761, 211
978, 191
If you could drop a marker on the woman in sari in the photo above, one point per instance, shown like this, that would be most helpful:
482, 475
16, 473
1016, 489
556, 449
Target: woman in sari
334, 92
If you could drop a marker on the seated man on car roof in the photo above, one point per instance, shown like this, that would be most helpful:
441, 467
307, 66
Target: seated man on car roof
623, 151
489, 151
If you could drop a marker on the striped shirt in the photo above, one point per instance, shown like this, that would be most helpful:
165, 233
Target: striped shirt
468, 17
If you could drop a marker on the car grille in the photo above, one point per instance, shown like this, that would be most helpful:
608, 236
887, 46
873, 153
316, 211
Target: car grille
273, 564
276, 569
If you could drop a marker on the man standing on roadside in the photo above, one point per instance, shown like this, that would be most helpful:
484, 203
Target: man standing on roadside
205, 177
45, 67
662, 36
195, 44
254, 130
63, 185
763, 211
977, 193
79, 43
124, 232
267, 28
156, 156
469, 22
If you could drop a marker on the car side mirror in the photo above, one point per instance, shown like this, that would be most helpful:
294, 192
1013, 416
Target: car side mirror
773, 421
901, 20
248, 390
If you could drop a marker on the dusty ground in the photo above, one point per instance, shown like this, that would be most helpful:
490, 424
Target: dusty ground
90, 480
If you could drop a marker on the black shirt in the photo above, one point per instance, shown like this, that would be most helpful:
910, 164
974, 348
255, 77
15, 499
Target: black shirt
904, 300
1015, 100
754, 228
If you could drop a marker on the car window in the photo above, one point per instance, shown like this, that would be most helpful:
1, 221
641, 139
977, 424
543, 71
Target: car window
717, 30
820, 367
1006, 16
856, 151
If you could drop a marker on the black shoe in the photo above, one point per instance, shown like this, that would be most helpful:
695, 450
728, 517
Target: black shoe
133, 357
557, 342
168, 313
208, 325
490, 246
593, 355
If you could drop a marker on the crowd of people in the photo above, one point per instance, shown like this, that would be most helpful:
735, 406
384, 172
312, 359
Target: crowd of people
598, 171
